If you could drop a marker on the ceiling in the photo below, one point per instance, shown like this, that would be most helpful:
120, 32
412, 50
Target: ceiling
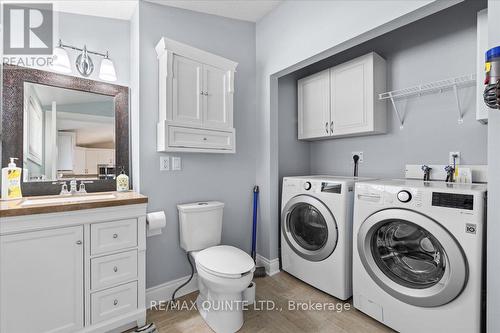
247, 10
49, 94
117, 9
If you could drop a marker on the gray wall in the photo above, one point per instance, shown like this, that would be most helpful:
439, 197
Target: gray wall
441, 46
225, 177
99, 34
493, 264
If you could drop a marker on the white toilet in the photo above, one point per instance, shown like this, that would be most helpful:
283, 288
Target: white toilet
224, 272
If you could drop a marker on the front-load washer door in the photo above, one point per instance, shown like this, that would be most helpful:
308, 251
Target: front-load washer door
412, 257
309, 228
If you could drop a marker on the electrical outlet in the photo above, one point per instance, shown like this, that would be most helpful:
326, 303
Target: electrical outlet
457, 159
176, 164
164, 163
359, 153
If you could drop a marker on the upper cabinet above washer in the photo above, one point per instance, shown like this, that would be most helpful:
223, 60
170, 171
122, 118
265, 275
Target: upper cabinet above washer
196, 99
343, 100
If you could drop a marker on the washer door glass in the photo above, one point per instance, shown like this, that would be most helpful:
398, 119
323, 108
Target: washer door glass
309, 228
408, 254
412, 257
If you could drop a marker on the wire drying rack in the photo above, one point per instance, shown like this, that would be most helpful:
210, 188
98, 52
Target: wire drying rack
427, 88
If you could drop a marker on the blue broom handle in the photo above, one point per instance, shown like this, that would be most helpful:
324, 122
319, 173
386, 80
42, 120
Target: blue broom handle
254, 226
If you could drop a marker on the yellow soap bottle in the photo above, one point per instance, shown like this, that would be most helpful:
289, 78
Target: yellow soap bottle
11, 181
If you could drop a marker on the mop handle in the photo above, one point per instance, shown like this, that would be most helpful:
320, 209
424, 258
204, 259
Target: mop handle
254, 226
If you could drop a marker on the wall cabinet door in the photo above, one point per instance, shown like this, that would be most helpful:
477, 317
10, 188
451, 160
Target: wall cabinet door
80, 165
41, 281
65, 151
91, 161
314, 106
106, 156
216, 106
352, 97
187, 94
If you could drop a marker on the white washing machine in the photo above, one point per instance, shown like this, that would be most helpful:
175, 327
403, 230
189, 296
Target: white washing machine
418, 254
316, 231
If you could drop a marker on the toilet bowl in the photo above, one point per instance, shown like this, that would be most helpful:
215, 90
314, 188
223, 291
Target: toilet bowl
224, 272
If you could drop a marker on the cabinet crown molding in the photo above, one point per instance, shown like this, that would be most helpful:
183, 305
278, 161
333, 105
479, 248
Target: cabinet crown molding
169, 45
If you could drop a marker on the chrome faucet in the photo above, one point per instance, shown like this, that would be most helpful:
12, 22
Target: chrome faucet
73, 187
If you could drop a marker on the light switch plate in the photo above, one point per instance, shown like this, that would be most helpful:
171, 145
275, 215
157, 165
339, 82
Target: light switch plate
164, 163
176, 163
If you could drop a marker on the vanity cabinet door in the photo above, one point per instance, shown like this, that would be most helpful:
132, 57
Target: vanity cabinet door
187, 96
41, 281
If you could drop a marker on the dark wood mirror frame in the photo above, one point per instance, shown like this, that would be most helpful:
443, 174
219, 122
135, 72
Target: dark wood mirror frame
14, 78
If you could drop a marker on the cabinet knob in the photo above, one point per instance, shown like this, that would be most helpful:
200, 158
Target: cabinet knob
115, 235
326, 127
115, 302
78, 242
331, 127
115, 269
204, 139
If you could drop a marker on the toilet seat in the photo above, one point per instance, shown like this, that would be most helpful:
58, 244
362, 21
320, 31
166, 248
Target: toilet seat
225, 261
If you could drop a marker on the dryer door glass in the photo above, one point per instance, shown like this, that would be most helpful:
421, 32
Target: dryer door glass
408, 254
308, 227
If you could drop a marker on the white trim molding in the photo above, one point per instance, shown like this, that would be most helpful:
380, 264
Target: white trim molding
272, 266
164, 291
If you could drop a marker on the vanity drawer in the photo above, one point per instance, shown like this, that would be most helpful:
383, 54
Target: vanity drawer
113, 269
112, 236
200, 138
113, 302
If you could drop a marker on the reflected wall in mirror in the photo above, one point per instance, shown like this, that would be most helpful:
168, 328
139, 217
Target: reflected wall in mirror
62, 127
67, 134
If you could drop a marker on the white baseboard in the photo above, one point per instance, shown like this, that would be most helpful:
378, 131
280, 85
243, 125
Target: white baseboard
272, 266
164, 291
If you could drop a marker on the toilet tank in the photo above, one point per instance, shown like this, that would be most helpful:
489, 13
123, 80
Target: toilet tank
200, 225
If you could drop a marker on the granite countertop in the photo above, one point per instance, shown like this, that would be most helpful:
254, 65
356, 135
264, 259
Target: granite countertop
16, 208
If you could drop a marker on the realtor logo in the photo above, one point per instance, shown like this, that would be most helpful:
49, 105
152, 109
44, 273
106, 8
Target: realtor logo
27, 28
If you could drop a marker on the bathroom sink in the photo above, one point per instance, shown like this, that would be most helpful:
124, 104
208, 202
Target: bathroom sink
67, 199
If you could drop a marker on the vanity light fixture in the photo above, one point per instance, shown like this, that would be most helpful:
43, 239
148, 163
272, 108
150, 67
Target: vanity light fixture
84, 63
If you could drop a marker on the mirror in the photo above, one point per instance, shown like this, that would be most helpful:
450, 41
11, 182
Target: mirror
63, 127
67, 134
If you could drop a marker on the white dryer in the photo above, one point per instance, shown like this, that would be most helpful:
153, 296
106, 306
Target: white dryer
418, 254
316, 231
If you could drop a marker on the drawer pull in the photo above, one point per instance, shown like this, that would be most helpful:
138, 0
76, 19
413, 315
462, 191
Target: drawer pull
115, 235
204, 139
79, 242
115, 302
115, 269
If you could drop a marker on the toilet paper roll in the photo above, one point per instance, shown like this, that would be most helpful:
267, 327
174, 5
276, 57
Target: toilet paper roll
156, 221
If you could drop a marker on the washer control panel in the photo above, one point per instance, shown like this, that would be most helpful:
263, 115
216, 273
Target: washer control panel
404, 196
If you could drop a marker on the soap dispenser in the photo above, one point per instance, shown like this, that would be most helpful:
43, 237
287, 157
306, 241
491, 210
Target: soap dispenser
11, 181
122, 182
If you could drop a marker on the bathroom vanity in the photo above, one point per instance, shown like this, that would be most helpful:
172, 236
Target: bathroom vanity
72, 265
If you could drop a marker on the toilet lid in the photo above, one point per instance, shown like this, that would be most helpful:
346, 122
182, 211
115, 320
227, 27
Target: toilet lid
225, 260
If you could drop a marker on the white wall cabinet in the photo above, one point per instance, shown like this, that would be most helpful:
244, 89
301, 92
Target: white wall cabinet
76, 271
343, 100
196, 93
